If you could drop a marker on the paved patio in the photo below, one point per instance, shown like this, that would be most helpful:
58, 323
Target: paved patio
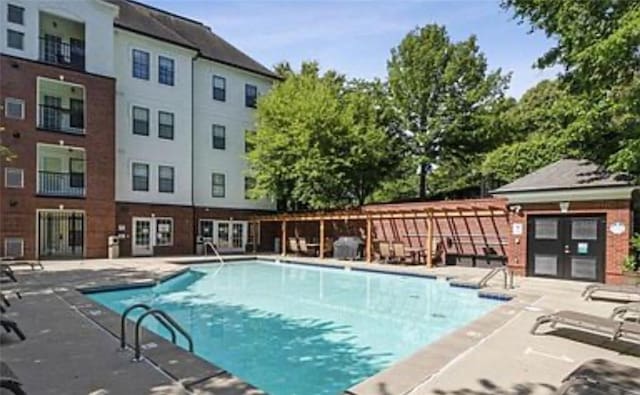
68, 353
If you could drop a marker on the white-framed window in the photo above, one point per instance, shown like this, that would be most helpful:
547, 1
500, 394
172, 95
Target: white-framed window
166, 70
140, 177
15, 14
15, 39
218, 136
13, 178
165, 125
140, 64
140, 121
219, 88
218, 184
250, 95
164, 231
14, 247
165, 179
13, 108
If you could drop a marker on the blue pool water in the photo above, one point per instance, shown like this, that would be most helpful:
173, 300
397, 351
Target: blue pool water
300, 330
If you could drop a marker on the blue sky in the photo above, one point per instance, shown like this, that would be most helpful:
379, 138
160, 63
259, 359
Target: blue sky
355, 37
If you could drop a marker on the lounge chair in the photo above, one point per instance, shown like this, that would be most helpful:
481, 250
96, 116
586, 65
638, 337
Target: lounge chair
385, 251
293, 245
9, 380
7, 271
8, 261
628, 290
12, 326
621, 311
592, 323
400, 253
600, 376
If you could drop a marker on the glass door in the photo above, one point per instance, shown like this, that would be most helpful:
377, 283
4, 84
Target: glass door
141, 240
237, 236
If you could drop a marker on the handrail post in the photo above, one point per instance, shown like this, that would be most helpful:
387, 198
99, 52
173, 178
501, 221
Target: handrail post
167, 318
123, 319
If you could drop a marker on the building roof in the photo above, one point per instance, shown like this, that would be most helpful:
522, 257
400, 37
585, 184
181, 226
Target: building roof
163, 25
566, 174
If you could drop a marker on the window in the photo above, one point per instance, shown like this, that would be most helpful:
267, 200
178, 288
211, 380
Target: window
140, 177
15, 39
165, 125
141, 121
14, 108
219, 139
250, 95
164, 231
165, 70
13, 178
14, 247
165, 179
249, 184
217, 185
140, 64
15, 14
248, 145
546, 228
219, 88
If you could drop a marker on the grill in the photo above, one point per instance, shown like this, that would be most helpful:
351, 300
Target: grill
348, 248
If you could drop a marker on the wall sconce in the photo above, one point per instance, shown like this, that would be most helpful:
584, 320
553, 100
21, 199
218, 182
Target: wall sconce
516, 208
564, 207
61, 207
13, 203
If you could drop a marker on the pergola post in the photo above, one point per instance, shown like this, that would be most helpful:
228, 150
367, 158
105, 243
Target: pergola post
284, 237
256, 224
429, 238
369, 241
321, 252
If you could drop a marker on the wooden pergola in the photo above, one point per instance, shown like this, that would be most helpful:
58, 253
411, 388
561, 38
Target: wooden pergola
377, 213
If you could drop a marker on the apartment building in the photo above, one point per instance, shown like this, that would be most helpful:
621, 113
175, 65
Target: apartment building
125, 120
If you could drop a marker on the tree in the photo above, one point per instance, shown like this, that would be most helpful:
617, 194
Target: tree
440, 90
597, 44
319, 141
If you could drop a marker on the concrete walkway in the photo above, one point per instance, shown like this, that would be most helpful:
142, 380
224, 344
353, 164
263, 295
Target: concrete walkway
68, 354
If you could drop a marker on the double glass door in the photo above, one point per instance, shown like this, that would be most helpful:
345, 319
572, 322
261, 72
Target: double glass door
229, 236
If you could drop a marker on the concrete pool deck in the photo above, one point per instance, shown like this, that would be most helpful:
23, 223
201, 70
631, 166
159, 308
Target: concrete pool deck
66, 352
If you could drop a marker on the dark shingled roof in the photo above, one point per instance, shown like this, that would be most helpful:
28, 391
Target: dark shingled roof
150, 21
566, 174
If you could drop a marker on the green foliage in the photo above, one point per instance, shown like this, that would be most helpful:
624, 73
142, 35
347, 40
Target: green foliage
597, 44
319, 141
443, 95
6, 155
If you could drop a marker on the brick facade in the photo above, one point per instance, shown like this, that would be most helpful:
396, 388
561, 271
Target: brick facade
18, 207
616, 246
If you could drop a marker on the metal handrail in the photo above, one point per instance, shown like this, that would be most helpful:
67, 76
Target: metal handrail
123, 319
213, 248
168, 319
505, 271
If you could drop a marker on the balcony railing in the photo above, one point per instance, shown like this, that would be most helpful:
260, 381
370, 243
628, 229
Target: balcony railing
55, 51
61, 119
61, 184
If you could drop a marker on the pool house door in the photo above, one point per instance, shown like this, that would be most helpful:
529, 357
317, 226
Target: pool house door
230, 236
141, 240
568, 247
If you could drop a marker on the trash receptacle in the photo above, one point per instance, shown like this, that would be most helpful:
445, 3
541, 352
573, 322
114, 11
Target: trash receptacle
113, 245
199, 245
276, 245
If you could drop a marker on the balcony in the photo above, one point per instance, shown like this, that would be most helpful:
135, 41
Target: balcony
61, 106
62, 41
61, 171
61, 184
55, 51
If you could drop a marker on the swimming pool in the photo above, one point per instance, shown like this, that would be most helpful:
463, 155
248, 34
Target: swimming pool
296, 329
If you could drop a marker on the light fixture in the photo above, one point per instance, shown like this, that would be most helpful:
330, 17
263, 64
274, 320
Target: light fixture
564, 207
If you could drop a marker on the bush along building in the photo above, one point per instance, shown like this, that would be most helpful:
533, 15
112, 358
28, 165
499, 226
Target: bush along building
124, 120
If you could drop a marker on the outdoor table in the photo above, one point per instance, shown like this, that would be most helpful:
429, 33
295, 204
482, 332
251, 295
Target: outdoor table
416, 252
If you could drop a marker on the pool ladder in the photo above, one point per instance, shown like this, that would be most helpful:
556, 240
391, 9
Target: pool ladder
508, 277
214, 249
163, 318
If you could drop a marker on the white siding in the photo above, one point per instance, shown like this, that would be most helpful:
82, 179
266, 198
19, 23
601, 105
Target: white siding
237, 118
96, 15
154, 96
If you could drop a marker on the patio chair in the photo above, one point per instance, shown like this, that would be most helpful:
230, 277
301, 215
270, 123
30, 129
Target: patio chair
385, 251
621, 311
12, 326
400, 254
304, 249
600, 376
9, 380
10, 261
591, 323
627, 290
293, 245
